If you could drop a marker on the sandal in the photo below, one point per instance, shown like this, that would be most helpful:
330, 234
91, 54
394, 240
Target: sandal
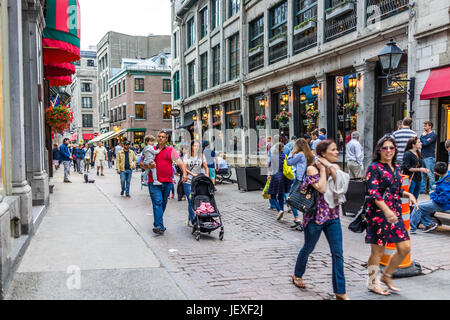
298, 282
384, 278
372, 282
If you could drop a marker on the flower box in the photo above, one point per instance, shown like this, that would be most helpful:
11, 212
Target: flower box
279, 38
255, 50
302, 27
339, 10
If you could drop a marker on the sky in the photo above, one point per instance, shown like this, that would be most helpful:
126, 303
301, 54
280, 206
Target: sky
134, 17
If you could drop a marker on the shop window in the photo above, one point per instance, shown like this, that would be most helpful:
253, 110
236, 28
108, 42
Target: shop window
233, 126
309, 110
217, 127
347, 110
139, 137
166, 111
258, 121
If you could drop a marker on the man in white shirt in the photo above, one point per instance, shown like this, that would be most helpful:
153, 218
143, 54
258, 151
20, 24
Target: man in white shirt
100, 156
355, 157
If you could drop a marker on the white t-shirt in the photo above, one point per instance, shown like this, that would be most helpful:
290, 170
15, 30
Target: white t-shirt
100, 153
118, 148
222, 163
194, 165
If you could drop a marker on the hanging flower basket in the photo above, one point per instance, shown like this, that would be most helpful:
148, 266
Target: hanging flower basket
312, 113
351, 107
261, 118
283, 116
59, 118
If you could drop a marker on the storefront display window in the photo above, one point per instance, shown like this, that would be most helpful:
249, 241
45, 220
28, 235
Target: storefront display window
347, 109
258, 122
279, 104
139, 137
233, 125
205, 120
309, 110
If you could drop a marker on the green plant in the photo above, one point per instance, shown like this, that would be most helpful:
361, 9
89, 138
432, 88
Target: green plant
304, 23
59, 118
277, 36
329, 10
255, 48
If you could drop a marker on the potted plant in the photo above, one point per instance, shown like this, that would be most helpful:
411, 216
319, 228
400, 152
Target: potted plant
351, 107
261, 118
340, 9
279, 38
255, 50
283, 116
305, 25
58, 118
312, 113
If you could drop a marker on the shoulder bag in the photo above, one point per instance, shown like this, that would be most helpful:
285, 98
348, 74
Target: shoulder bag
359, 223
304, 200
287, 170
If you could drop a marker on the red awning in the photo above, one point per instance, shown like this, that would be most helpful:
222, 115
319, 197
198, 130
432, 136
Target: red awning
59, 81
58, 69
88, 136
438, 84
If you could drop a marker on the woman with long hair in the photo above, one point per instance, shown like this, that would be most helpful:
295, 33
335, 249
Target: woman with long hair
301, 157
194, 162
384, 215
279, 184
331, 184
413, 165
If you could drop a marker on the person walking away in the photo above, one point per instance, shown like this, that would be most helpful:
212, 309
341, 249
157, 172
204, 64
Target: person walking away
401, 138
428, 139
75, 157
110, 157
211, 160
279, 184
290, 146
307, 137
331, 184
301, 157
413, 165
355, 157
82, 153
66, 159
314, 140
439, 200
194, 161
384, 215
100, 155
56, 156
149, 156
160, 193
125, 164
87, 157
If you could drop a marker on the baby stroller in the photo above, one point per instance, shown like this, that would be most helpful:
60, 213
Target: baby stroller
202, 191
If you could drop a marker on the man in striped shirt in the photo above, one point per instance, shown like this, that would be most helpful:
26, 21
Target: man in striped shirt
401, 138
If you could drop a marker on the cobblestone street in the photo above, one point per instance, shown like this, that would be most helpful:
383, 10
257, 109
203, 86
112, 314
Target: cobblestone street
258, 254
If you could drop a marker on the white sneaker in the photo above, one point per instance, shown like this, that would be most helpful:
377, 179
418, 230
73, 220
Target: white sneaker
280, 215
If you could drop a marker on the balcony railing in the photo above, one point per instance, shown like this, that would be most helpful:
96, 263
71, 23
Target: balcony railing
256, 61
381, 9
340, 25
305, 40
278, 52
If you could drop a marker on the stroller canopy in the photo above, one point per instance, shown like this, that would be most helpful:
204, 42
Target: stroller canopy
202, 185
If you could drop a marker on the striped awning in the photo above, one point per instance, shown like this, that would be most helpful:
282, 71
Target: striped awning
61, 36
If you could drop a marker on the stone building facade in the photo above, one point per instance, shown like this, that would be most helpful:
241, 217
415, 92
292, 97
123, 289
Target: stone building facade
318, 59
141, 97
111, 50
84, 100
24, 181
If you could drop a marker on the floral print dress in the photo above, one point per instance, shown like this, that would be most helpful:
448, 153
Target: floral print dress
382, 180
324, 212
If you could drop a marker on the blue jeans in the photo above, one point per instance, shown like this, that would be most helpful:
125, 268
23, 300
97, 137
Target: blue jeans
414, 188
187, 192
333, 232
429, 164
277, 201
125, 179
159, 195
423, 214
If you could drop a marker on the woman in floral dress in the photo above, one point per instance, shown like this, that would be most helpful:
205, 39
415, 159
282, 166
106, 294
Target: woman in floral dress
326, 218
384, 215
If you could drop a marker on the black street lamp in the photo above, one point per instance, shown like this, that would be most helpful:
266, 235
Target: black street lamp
390, 58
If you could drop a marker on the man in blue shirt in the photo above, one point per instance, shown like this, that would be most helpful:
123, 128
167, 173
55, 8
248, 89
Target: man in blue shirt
289, 146
323, 134
428, 139
66, 158
210, 156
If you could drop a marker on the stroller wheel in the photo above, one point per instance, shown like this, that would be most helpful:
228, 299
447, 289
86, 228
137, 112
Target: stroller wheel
221, 235
197, 236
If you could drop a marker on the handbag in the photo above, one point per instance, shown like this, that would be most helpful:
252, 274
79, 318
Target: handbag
359, 223
287, 170
304, 200
265, 195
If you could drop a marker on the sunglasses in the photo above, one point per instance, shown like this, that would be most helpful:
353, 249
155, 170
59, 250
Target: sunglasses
388, 148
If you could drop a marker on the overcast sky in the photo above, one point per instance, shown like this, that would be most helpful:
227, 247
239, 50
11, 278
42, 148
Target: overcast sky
134, 17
